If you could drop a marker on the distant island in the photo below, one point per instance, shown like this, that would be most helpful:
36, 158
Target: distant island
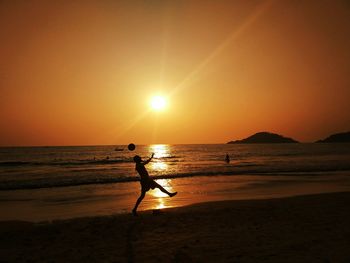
265, 137
337, 138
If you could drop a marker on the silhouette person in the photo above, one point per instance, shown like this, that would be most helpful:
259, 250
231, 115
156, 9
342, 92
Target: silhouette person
227, 158
146, 181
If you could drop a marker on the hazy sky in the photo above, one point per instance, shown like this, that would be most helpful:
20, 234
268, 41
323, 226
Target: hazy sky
83, 72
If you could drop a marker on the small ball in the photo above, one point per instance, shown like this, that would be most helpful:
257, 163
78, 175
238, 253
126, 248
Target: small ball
131, 147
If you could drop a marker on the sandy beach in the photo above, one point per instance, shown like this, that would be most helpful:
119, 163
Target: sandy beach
311, 228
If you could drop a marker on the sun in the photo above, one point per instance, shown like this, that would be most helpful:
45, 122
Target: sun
158, 103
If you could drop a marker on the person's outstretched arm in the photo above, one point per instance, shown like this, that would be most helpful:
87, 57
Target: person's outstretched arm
146, 162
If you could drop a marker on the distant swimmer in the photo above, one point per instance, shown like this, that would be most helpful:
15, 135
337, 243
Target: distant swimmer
227, 158
146, 181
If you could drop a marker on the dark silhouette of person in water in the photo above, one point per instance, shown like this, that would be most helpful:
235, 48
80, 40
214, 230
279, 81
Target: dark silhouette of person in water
227, 158
146, 181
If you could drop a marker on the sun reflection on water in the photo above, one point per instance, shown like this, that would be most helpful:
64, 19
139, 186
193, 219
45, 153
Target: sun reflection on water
162, 198
160, 205
158, 165
160, 151
166, 183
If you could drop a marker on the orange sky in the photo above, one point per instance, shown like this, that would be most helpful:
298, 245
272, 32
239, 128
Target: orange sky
82, 72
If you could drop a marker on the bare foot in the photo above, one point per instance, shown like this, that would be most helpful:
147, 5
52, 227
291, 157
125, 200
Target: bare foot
173, 194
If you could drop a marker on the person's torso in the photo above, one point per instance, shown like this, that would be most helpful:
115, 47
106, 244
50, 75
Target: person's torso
141, 169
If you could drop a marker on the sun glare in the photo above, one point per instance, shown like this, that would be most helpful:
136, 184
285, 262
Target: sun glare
158, 103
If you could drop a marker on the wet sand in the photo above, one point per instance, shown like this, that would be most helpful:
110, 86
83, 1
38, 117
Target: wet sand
48, 204
312, 228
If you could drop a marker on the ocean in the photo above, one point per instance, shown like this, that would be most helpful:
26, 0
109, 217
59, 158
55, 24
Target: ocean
38, 167
47, 177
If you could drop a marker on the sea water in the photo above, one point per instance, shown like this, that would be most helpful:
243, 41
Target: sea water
37, 167
42, 179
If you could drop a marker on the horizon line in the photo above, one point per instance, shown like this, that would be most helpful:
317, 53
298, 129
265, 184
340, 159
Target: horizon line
141, 144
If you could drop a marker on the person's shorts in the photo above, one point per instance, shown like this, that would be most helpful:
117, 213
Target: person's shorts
147, 185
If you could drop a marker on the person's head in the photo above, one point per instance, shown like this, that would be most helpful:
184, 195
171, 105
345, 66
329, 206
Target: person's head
137, 159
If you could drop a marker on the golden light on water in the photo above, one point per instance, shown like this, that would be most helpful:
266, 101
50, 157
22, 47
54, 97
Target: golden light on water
162, 199
160, 150
159, 166
160, 204
166, 183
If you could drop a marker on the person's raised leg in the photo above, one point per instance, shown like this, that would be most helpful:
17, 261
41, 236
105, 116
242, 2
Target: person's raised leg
161, 188
143, 193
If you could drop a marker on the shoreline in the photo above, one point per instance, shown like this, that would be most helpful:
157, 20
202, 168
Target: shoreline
99, 200
308, 228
